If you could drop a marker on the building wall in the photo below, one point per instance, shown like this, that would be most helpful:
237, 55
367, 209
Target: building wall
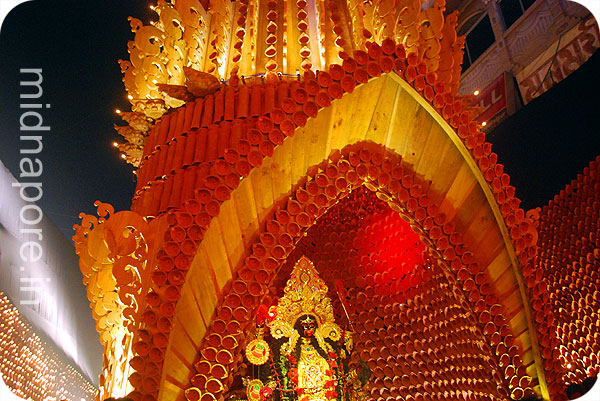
30, 368
548, 42
48, 293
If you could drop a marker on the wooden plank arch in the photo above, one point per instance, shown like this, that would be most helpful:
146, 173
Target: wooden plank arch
407, 127
189, 173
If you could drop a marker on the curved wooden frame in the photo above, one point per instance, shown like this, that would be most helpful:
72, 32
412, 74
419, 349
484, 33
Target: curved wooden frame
393, 118
198, 195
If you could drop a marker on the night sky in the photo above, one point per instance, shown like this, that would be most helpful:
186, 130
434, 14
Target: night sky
77, 45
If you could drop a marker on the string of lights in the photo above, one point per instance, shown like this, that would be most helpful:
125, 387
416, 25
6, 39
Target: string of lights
30, 368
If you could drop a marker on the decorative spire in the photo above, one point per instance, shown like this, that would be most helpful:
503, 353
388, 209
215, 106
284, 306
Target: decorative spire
305, 294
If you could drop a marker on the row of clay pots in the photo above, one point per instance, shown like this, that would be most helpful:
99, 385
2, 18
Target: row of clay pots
216, 108
368, 355
385, 364
559, 228
240, 33
566, 244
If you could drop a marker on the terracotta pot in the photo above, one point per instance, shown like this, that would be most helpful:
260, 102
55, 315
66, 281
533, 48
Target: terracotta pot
303, 219
243, 167
200, 145
209, 354
253, 263
255, 289
259, 250
254, 136
324, 79
261, 276
285, 240
323, 99
336, 72
373, 69
248, 301
388, 46
195, 122
264, 124
361, 75
266, 148
300, 118
224, 138
243, 101
311, 109
429, 93
167, 309
150, 385
159, 278
386, 64
163, 130
229, 103
411, 74
276, 136
269, 97
208, 397
219, 106
293, 229
360, 56
312, 86
223, 357
207, 115
255, 101
212, 207
278, 252
202, 368
219, 372
288, 127
277, 115
348, 83
349, 65
299, 95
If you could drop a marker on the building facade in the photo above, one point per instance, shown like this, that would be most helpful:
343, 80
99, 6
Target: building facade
44, 317
520, 50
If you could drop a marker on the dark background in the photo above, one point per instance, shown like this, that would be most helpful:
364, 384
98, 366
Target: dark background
77, 44
547, 143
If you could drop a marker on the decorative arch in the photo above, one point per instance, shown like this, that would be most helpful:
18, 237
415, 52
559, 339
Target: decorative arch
447, 191
326, 187
199, 195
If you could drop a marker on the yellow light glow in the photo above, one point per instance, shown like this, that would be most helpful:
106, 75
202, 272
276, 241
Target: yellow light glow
129, 97
117, 111
123, 156
483, 124
115, 144
476, 93
568, 366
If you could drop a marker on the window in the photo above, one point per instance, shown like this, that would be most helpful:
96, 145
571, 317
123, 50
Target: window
478, 40
513, 9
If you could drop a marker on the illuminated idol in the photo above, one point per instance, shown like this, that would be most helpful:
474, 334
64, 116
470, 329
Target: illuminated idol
310, 352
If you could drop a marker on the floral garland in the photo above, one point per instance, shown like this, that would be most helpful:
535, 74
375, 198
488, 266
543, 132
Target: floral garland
284, 379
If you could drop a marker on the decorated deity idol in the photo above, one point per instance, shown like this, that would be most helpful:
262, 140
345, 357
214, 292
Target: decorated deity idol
307, 357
